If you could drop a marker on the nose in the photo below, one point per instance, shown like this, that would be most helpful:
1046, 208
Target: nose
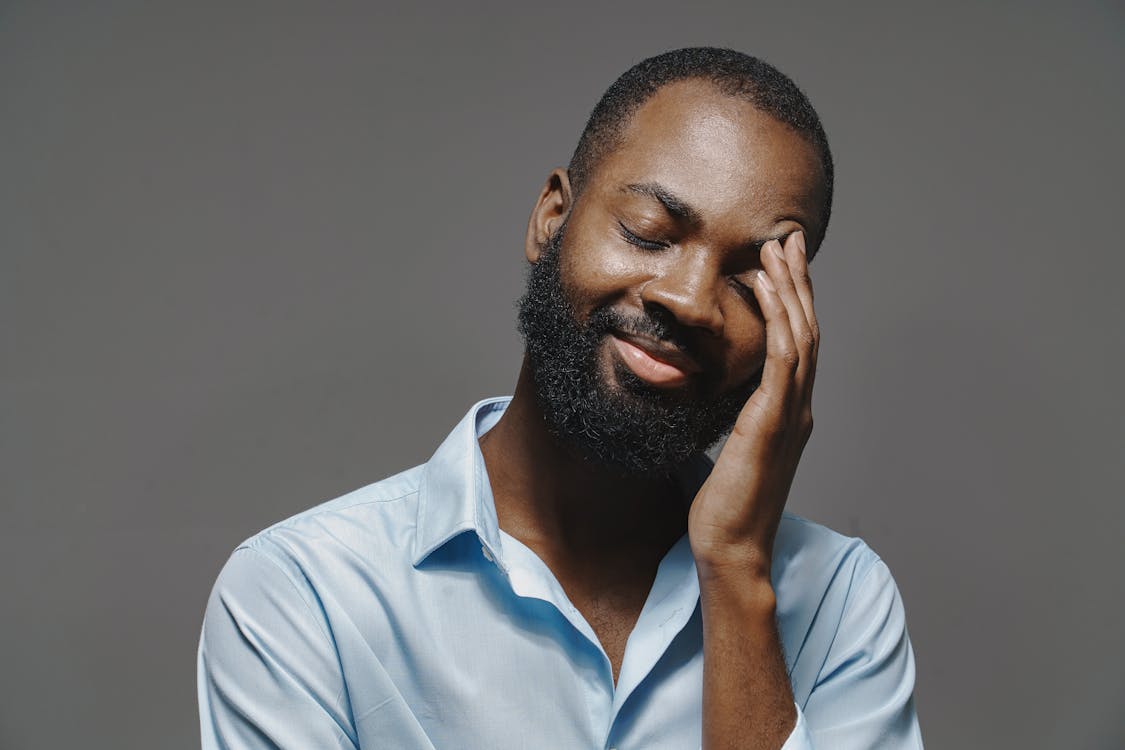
688, 288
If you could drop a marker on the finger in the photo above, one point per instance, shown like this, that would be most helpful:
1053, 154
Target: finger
799, 269
796, 257
764, 418
782, 356
775, 259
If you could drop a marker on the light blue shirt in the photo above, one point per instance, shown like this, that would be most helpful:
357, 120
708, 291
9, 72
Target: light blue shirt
400, 616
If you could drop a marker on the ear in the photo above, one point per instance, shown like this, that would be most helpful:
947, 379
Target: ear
549, 213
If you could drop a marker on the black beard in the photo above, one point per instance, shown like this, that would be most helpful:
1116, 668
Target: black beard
636, 429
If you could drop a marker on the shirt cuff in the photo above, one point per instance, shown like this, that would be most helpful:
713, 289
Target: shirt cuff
799, 738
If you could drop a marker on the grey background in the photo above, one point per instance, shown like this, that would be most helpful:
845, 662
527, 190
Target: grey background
255, 255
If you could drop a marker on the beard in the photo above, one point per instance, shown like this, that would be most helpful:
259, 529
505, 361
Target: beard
632, 427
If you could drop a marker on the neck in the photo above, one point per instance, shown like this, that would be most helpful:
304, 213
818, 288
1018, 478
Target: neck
549, 496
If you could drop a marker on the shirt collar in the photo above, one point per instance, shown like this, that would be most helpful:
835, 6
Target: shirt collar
455, 495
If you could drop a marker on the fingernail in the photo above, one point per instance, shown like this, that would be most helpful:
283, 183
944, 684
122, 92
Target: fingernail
777, 249
801, 242
764, 280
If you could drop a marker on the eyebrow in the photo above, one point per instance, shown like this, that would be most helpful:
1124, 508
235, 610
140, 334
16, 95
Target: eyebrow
675, 206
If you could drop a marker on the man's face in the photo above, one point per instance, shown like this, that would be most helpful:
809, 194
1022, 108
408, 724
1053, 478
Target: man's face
642, 331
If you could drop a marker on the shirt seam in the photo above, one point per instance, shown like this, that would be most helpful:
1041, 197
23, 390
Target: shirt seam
312, 513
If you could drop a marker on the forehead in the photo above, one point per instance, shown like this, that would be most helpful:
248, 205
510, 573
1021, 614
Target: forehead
717, 152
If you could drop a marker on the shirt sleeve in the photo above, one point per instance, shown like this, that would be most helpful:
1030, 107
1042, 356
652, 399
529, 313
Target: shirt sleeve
864, 694
799, 738
268, 673
864, 697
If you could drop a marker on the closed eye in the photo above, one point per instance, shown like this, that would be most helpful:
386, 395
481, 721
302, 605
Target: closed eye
640, 242
746, 292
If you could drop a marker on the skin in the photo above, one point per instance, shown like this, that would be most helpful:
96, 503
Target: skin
700, 213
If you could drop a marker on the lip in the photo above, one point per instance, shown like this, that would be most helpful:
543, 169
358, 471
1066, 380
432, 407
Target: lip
659, 365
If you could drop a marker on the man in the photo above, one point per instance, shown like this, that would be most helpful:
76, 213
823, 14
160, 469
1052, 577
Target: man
568, 570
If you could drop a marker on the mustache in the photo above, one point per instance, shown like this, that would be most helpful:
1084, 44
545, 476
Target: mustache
606, 320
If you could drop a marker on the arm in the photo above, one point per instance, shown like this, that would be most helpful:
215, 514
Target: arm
863, 695
273, 672
747, 699
268, 673
269, 676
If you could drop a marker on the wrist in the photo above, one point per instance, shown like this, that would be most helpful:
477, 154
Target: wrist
743, 563
738, 601
739, 585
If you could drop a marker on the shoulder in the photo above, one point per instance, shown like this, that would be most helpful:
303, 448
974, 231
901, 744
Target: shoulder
272, 643
805, 552
818, 572
363, 519
837, 602
843, 628
302, 554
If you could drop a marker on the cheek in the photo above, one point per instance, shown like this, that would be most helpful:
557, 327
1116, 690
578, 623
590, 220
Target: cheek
598, 270
746, 353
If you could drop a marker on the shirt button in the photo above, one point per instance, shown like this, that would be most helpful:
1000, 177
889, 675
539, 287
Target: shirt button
487, 554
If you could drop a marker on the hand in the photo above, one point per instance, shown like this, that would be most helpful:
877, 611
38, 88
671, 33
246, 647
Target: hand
736, 512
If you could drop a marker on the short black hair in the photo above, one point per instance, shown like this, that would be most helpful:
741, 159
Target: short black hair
734, 73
